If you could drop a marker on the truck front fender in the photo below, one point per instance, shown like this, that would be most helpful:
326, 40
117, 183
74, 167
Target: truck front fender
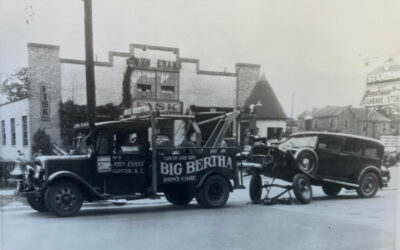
67, 175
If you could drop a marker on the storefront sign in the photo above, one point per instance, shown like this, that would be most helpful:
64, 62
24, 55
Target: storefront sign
382, 100
139, 62
164, 107
44, 103
384, 76
167, 64
146, 63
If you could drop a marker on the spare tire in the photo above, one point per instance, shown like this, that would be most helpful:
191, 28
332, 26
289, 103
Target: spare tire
307, 162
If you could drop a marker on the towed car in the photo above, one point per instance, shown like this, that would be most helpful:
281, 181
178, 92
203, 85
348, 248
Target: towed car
331, 160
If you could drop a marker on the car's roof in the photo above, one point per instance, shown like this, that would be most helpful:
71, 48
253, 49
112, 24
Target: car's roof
338, 134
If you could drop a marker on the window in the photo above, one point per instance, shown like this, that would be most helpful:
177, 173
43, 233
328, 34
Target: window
353, 145
299, 142
372, 150
3, 132
168, 89
332, 123
13, 135
25, 130
331, 143
383, 127
346, 123
144, 87
315, 123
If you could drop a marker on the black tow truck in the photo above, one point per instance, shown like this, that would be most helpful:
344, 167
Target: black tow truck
136, 158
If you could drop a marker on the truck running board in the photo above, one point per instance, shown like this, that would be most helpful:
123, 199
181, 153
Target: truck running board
342, 183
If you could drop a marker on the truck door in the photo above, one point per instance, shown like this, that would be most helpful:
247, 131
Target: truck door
122, 160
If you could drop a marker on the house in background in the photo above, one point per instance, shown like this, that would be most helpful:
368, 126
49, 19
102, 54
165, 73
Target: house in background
345, 119
269, 114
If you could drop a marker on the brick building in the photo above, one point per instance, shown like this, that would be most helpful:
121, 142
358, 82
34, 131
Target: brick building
347, 119
143, 74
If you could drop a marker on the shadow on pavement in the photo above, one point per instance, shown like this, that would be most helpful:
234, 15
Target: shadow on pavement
134, 210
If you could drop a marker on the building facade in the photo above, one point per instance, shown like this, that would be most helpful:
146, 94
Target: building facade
143, 74
347, 119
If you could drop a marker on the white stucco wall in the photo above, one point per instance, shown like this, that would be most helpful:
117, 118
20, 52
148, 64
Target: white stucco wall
263, 126
108, 82
14, 110
205, 89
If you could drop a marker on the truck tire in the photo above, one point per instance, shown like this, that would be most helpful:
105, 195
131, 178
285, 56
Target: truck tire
214, 193
63, 198
369, 184
180, 195
37, 204
331, 189
255, 189
302, 188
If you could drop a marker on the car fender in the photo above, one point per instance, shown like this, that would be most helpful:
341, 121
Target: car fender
70, 175
373, 169
221, 172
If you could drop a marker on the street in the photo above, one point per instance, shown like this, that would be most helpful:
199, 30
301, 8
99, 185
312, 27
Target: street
344, 222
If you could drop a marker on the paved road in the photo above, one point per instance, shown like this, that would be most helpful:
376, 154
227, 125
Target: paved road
345, 222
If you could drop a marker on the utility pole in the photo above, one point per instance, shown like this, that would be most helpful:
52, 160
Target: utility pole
90, 81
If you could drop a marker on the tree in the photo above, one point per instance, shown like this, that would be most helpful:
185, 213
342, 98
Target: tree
42, 142
15, 85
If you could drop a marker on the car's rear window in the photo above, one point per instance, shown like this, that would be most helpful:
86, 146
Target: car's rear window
372, 150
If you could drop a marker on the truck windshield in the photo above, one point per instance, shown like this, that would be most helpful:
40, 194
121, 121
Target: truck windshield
299, 142
86, 144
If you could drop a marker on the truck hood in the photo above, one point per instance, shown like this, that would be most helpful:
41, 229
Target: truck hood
61, 157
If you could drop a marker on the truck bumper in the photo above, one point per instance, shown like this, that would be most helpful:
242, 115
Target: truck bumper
24, 191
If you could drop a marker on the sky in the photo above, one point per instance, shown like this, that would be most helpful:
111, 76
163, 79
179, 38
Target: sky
313, 49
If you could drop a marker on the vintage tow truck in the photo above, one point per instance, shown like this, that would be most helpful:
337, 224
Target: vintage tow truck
136, 158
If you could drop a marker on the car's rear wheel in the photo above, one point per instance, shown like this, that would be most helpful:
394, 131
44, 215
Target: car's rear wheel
180, 195
331, 189
302, 188
64, 198
37, 204
214, 193
307, 162
369, 184
255, 189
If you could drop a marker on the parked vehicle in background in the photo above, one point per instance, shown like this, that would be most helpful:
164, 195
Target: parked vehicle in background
392, 149
331, 160
136, 158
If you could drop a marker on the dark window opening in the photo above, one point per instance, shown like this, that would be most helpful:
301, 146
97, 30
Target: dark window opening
353, 146
144, 87
3, 132
168, 89
330, 143
13, 135
25, 130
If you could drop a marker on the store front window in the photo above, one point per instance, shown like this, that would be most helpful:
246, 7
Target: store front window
155, 84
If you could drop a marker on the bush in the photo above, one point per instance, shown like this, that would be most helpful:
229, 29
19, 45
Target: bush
42, 142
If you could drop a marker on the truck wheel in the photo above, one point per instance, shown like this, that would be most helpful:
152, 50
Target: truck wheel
37, 204
63, 199
179, 196
368, 185
302, 188
214, 193
307, 162
255, 189
331, 189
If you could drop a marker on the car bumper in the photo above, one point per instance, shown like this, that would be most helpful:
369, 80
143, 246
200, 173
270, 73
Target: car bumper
385, 177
